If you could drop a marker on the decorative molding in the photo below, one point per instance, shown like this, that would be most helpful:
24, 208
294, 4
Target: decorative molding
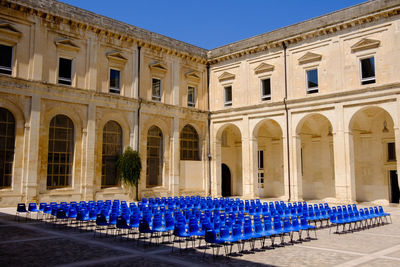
226, 76
116, 56
158, 67
67, 45
9, 30
364, 44
263, 67
193, 75
309, 57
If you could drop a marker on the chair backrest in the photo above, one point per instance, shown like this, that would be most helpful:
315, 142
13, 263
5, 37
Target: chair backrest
101, 219
236, 230
295, 222
21, 207
277, 225
286, 224
32, 207
121, 222
211, 236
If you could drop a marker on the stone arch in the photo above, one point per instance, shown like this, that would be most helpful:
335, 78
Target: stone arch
229, 150
269, 159
317, 170
372, 132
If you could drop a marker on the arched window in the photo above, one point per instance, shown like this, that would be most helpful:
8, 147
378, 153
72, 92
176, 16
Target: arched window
112, 149
189, 143
61, 152
7, 144
154, 157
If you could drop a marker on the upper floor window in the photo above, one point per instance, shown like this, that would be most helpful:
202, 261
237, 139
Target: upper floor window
6, 59
260, 157
191, 101
266, 89
367, 70
115, 81
156, 89
228, 95
312, 81
65, 71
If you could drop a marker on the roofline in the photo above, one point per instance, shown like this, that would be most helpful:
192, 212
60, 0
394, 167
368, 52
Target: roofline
319, 22
73, 13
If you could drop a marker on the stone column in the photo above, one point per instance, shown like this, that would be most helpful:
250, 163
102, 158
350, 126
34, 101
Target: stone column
350, 166
216, 168
397, 145
175, 158
90, 154
339, 152
297, 176
91, 71
37, 54
247, 179
175, 82
32, 132
285, 168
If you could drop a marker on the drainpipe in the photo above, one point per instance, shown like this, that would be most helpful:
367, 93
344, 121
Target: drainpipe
209, 130
287, 119
140, 101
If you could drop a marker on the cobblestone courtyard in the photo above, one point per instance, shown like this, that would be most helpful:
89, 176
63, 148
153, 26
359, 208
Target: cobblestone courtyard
32, 243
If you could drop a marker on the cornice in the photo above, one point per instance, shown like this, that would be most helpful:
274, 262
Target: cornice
267, 41
78, 19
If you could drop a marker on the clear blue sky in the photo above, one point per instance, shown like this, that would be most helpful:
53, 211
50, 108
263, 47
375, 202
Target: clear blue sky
212, 23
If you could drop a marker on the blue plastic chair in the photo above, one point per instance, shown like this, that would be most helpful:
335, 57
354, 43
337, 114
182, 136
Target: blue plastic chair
32, 208
101, 224
180, 233
213, 241
122, 227
385, 214
21, 209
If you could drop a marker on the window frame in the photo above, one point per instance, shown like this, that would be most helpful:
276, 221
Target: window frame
260, 159
368, 80
193, 103
265, 97
72, 71
312, 90
12, 61
194, 140
114, 90
228, 103
104, 169
156, 97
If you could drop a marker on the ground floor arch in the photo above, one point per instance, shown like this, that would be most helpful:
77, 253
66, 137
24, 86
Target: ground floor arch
270, 176
316, 157
230, 140
375, 168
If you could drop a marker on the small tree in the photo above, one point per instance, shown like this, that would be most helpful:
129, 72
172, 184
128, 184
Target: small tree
129, 167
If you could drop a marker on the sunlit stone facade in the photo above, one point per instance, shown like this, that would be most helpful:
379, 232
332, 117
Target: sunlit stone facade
310, 111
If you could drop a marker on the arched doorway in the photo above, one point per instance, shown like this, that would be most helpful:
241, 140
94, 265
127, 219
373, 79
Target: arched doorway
374, 155
231, 155
226, 181
268, 134
317, 158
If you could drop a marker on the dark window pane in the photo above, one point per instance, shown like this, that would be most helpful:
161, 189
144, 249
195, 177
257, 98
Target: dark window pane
5, 59
312, 81
368, 70
112, 149
191, 96
156, 89
391, 149
266, 89
228, 95
7, 144
115, 81
154, 156
260, 159
60, 151
189, 141
65, 71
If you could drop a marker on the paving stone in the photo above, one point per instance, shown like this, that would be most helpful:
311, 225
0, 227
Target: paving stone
50, 252
381, 263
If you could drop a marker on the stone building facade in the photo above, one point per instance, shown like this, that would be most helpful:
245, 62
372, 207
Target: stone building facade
309, 111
